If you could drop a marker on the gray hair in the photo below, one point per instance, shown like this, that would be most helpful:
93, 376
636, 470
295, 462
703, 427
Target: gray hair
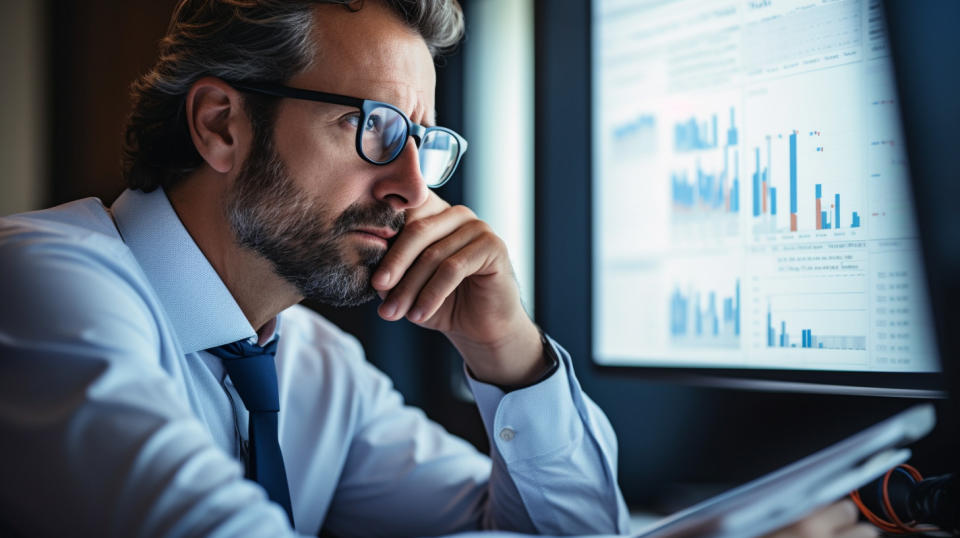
266, 40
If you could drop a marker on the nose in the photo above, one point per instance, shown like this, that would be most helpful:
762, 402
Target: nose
402, 185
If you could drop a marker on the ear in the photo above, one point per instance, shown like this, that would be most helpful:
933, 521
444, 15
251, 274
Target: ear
217, 122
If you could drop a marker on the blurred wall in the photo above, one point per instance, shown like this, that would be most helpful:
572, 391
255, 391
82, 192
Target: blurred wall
23, 175
97, 47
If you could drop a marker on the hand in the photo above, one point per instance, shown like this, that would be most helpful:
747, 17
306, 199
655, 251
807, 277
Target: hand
838, 520
448, 271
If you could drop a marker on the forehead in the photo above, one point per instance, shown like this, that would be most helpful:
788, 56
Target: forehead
372, 54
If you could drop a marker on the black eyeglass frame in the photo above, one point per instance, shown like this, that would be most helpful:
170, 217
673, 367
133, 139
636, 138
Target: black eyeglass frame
366, 106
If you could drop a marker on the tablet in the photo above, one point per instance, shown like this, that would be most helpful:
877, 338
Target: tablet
785, 496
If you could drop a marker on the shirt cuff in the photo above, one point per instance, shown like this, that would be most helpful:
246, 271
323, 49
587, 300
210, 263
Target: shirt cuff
530, 422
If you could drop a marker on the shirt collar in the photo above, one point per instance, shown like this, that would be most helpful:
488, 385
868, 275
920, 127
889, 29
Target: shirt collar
200, 307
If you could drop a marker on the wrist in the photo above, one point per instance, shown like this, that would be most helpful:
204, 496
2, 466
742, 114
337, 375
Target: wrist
512, 361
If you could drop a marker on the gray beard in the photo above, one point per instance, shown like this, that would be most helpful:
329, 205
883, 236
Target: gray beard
271, 216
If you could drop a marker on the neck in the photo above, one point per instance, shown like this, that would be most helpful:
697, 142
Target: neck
199, 201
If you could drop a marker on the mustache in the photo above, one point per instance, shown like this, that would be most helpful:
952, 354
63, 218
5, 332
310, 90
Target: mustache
376, 215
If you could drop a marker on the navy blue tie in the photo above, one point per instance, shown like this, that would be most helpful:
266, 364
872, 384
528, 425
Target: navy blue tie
254, 374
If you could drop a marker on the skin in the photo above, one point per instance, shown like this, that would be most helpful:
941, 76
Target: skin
446, 270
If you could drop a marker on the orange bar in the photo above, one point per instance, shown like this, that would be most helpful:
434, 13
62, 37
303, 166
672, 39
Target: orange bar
793, 222
764, 197
819, 215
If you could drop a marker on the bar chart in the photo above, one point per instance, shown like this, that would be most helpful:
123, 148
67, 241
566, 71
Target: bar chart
709, 191
782, 336
704, 177
705, 318
696, 134
768, 183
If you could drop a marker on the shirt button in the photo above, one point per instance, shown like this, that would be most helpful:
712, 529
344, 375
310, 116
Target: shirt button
507, 434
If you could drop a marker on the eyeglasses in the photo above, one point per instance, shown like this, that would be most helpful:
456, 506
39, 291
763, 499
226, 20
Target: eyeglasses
383, 130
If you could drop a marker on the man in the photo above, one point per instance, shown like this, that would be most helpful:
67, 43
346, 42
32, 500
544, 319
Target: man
282, 150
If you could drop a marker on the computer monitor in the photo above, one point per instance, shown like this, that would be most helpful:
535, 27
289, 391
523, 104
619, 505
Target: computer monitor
751, 221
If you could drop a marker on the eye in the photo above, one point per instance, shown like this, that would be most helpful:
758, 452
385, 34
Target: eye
374, 123
352, 119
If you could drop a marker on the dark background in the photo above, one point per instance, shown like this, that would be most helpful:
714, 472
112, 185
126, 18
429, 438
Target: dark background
678, 443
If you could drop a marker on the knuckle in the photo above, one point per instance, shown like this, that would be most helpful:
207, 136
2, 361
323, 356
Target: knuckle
481, 227
429, 298
431, 255
463, 211
452, 266
420, 226
493, 240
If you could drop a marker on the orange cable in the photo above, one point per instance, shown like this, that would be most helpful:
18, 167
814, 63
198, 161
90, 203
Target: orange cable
896, 526
888, 506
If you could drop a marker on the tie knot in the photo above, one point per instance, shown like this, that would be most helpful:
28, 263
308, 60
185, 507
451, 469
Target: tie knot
253, 372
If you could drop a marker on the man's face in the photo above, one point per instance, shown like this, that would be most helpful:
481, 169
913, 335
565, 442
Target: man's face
305, 200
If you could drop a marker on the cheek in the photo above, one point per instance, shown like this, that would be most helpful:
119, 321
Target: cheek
322, 163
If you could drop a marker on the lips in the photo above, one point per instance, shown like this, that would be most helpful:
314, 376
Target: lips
383, 233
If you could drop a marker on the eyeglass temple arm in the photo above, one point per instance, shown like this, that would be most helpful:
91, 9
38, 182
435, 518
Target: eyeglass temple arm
279, 90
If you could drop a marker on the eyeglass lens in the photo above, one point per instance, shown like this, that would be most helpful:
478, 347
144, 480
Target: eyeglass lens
384, 133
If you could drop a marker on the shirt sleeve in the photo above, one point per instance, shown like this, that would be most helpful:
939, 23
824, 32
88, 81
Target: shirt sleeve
97, 437
552, 470
554, 453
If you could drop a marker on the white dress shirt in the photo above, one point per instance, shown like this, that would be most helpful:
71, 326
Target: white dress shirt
114, 421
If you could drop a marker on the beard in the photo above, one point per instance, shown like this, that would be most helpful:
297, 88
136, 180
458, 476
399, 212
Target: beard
270, 215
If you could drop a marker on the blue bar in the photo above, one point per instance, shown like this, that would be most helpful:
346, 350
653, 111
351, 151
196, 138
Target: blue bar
699, 317
769, 326
783, 334
823, 220
713, 310
726, 168
856, 220
714, 140
732, 132
736, 319
690, 135
836, 211
819, 190
735, 196
756, 186
793, 172
684, 192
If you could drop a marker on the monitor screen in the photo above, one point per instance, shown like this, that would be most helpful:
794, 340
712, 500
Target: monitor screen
750, 193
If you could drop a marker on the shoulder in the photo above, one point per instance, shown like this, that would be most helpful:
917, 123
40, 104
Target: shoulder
65, 271
82, 228
79, 218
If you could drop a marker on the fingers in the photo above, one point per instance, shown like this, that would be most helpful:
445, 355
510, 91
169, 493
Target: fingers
436, 273
862, 530
416, 237
838, 519
449, 274
838, 515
